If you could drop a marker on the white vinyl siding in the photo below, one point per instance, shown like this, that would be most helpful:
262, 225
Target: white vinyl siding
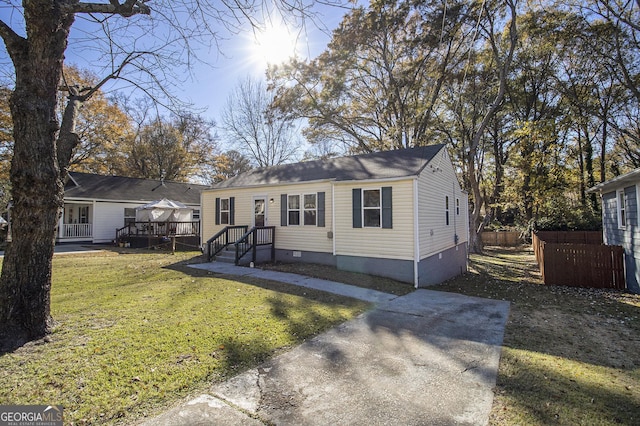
395, 243
303, 238
108, 217
435, 186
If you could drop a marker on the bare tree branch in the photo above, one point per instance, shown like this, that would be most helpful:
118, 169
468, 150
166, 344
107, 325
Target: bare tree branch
125, 9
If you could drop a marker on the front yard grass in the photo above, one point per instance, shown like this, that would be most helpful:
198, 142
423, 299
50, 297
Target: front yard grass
136, 332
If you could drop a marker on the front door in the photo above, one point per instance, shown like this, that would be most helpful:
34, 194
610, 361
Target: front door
260, 211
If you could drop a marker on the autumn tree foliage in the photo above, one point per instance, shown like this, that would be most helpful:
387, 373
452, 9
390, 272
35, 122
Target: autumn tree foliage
176, 149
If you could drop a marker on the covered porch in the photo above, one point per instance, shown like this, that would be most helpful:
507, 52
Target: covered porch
76, 223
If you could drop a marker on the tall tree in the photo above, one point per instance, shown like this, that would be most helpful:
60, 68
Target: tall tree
501, 47
168, 149
44, 145
376, 85
254, 130
227, 165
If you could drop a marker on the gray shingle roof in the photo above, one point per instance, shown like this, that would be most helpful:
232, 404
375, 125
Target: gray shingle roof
91, 186
378, 165
616, 182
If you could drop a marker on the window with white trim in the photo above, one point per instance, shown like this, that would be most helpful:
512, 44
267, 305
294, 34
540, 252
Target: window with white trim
196, 214
129, 216
310, 209
622, 209
293, 209
371, 208
83, 214
446, 209
224, 211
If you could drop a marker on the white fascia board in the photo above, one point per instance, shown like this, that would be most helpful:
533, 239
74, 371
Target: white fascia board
371, 181
266, 185
104, 200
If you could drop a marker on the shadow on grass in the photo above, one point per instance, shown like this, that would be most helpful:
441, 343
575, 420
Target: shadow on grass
534, 392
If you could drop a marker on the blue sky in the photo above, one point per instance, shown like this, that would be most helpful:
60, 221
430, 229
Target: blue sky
210, 84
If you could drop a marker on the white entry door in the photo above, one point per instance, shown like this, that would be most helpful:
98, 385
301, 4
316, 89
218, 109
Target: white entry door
260, 211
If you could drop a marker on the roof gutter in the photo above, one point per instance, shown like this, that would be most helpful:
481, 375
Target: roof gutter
359, 181
262, 185
630, 177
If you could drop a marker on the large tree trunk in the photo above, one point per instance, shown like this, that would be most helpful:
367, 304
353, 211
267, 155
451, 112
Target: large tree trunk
37, 189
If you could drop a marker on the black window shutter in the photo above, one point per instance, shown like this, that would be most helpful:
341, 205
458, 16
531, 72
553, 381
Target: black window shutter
387, 211
232, 210
357, 207
217, 211
321, 209
283, 209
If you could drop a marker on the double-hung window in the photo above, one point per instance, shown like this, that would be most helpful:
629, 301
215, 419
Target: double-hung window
302, 209
310, 209
224, 211
446, 209
293, 209
622, 209
129, 216
83, 212
371, 208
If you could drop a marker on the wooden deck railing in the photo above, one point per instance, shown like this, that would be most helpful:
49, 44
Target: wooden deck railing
159, 229
222, 239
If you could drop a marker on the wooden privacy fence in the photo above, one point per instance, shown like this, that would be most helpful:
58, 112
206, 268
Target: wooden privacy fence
570, 237
500, 238
579, 264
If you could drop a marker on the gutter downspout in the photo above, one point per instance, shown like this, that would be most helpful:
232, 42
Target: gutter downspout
333, 218
416, 234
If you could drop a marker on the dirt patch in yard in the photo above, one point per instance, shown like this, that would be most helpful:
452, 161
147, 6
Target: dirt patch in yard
570, 355
330, 273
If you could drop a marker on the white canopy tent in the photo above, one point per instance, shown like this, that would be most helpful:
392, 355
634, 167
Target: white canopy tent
164, 211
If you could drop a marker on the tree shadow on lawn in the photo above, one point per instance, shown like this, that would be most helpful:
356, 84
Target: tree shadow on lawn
580, 330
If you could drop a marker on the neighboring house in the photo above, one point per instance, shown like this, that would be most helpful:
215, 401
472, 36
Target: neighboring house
399, 214
95, 206
621, 220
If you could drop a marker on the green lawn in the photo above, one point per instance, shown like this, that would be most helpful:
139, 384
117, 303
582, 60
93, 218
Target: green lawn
136, 332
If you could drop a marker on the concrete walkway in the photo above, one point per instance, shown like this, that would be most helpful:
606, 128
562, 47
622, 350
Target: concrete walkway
427, 358
299, 280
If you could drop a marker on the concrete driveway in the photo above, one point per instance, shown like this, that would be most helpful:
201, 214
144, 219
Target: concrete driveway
427, 358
